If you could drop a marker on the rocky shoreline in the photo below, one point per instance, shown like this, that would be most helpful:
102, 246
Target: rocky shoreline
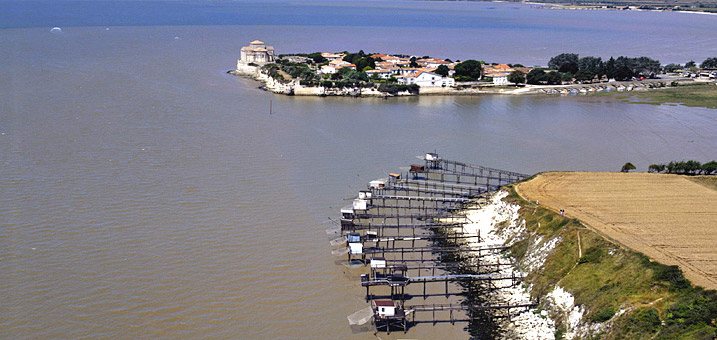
295, 88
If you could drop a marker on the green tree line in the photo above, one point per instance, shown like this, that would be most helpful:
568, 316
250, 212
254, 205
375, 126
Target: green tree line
690, 167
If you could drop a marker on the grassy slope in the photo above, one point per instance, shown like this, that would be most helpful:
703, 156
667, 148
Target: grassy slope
660, 302
708, 181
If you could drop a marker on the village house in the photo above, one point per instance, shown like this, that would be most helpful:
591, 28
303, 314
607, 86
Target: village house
403, 62
385, 65
431, 62
390, 59
426, 79
501, 79
500, 72
332, 56
335, 65
327, 69
381, 73
409, 71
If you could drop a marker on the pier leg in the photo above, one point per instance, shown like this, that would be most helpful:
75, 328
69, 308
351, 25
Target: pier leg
434, 314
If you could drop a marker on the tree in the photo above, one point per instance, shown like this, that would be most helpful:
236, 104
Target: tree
592, 64
709, 168
569, 67
690, 64
623, 68
672, 67
692, 167
516, 77
348, 74
413, 62
646, 66
656, 168
442, 70
469, 68
363, 62
627, 167
554, 78
584, 75
559, 60
317, 57
609, 68
670, 167
536, 77
709, 63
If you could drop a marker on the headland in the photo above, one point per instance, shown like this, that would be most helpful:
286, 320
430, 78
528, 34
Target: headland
384, 75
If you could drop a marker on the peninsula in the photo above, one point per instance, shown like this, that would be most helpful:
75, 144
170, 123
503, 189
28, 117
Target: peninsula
383, 75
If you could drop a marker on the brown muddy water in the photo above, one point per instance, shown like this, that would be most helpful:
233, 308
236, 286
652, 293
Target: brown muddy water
144, 193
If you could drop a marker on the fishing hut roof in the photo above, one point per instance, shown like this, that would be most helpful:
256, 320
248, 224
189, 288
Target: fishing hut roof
384, 303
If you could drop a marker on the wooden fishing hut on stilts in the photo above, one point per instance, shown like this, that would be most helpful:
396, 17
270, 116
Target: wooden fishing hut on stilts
428, 200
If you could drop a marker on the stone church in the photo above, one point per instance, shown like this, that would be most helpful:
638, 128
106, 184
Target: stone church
258, 53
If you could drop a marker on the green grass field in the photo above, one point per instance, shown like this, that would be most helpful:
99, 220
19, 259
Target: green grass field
694, 95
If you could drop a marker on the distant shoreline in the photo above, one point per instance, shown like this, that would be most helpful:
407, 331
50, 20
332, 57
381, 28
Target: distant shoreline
552, 5
295, 89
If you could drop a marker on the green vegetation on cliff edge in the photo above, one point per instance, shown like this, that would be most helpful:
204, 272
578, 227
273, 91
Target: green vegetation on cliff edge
636, 297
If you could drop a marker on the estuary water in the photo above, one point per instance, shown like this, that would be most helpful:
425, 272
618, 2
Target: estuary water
145, 193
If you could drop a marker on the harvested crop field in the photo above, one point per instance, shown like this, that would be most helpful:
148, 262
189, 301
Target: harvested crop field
669, 218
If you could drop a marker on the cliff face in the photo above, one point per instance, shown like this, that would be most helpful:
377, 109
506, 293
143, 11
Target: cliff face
587, 286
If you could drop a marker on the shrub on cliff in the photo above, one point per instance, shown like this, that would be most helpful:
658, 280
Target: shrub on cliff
396, 88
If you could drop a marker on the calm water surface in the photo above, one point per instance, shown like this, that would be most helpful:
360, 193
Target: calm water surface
147, 194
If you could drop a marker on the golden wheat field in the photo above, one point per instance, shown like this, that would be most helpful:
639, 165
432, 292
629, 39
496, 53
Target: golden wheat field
669, 218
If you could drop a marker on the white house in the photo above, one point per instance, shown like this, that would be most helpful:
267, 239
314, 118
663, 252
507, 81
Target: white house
427, 79
377, 184
327, 69
355, 245
385, 74
360, 204
432, 62
385, 308
332, 56
500, 79
378, 262
365, 194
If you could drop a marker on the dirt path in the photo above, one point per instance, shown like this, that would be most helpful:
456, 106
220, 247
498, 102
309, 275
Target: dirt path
667, 217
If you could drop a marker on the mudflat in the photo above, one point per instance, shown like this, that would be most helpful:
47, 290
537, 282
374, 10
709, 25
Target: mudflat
669, 218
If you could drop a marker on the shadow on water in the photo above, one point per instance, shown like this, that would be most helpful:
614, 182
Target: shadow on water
482, 324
